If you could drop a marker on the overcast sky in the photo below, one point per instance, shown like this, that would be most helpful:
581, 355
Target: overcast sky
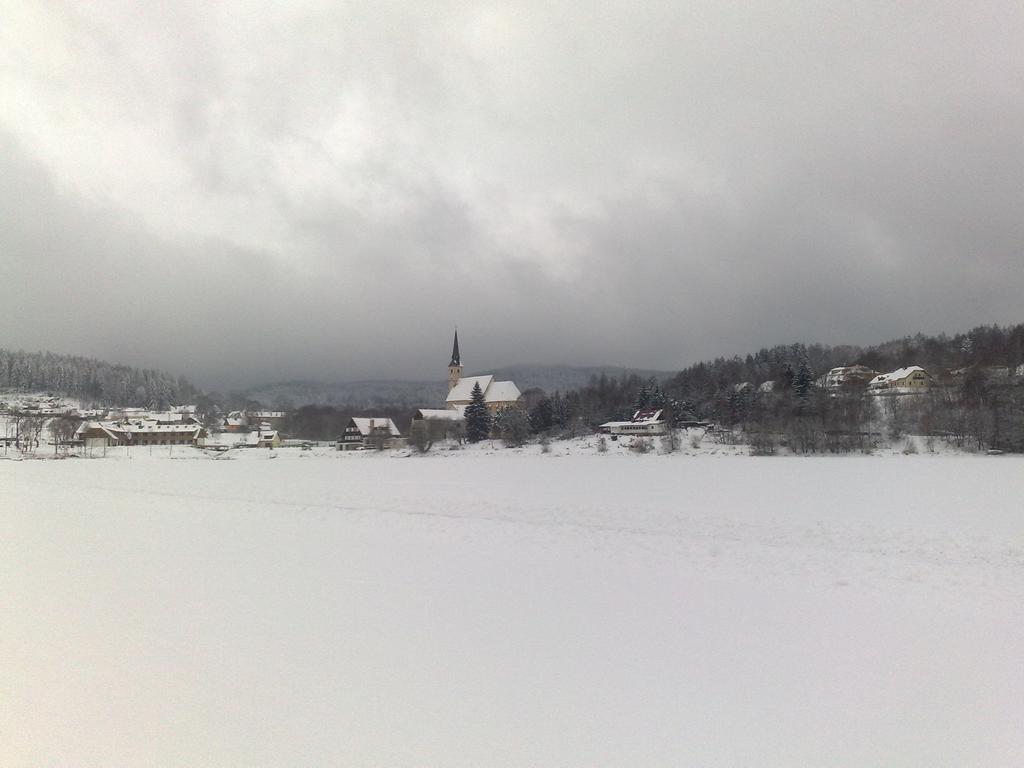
250, 192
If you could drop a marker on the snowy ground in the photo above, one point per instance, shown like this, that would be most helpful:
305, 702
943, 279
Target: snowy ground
512, 609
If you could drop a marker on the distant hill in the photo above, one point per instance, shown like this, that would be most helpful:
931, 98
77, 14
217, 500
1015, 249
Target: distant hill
562, 377
90, 380
415, 394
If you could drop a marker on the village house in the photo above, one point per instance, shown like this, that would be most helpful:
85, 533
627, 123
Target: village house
95, 435
153, 433
847, 375
443, 423
107, 434
645, 423
245, 421
256, 438
497, 394
903, 381
369, 433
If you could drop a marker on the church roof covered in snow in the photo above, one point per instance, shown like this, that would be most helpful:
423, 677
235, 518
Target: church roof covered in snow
464, 389
502, 392
494, 391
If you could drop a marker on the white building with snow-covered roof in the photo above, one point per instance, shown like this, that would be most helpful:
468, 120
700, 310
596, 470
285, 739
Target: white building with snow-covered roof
903, 381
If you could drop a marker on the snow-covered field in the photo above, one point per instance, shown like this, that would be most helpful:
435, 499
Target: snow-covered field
512, 609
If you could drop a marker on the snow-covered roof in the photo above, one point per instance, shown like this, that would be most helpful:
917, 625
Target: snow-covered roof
494, 391
109, 429
447, 414
365, 425
231, 439
153, 428
648, 416
463, 390
169, 416
502, 392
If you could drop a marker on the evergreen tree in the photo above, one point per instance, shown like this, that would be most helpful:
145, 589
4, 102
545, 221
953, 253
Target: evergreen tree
541, 417
649, 396
478, 418
803, 379
559, 410
513, 426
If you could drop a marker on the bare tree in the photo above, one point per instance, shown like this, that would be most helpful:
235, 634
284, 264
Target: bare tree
29, 427
379, 437
62, 430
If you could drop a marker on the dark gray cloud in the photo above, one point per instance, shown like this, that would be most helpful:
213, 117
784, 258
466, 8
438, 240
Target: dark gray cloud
322, 190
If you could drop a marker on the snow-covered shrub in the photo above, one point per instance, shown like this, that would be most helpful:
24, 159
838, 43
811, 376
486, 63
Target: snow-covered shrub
640, 445
910, 447
695, 440
602, 444
763, 443
670, 442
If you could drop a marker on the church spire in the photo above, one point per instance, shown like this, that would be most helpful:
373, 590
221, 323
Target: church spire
455, 350
455, 366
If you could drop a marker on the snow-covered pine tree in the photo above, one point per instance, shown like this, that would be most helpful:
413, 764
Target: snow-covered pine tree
646, 395
803, 379
478, 418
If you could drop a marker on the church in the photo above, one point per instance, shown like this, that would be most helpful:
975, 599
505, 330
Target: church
497, 394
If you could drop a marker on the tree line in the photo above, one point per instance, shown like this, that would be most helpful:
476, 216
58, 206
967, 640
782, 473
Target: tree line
92, 381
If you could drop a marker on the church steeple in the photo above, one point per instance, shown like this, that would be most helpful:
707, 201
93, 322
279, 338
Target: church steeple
455, 366
455, 350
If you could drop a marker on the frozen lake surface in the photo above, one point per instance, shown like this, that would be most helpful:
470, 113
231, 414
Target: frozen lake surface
512, 610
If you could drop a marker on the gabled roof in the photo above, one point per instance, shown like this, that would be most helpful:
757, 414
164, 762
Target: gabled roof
502, 392
464, 389
108, 429
897, 375
364, 425
494, 391
647, 416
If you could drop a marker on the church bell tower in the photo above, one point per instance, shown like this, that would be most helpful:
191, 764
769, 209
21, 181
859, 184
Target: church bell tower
455, 366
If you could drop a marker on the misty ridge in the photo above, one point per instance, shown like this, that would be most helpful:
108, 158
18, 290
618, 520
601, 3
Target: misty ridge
412, 394
104, 383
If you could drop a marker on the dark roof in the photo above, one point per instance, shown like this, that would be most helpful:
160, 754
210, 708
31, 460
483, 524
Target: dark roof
455, 351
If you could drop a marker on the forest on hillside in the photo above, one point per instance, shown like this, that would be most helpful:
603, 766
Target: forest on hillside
984, 346
91, 381
978, 401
